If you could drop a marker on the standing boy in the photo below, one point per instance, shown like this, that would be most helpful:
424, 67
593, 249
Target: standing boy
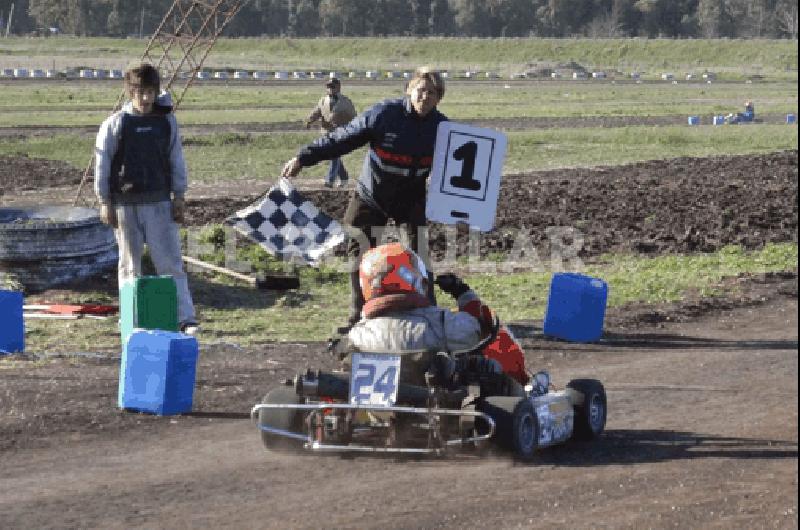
140, 182
333, 110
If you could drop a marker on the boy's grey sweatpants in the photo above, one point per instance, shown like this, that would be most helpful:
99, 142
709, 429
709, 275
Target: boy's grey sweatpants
152, 224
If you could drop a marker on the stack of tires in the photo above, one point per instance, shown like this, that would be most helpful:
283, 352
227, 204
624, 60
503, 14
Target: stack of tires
46, 246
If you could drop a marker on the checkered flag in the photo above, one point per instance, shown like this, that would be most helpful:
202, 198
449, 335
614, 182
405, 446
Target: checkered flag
288, 225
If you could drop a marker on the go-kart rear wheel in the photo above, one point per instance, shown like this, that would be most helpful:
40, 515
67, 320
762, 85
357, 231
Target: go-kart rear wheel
590, 414
517, 425
285, 419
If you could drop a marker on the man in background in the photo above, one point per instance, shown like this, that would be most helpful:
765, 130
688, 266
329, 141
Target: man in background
333, 110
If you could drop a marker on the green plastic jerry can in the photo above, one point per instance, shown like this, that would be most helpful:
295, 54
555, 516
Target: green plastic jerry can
148, 302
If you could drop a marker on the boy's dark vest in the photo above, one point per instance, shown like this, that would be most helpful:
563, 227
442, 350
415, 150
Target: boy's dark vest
140, 169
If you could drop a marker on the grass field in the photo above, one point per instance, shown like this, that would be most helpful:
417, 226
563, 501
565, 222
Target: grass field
239, 315
224, 157
731, 58
87, 104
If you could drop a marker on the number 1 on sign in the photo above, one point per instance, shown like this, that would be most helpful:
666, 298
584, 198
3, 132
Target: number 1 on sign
466, 155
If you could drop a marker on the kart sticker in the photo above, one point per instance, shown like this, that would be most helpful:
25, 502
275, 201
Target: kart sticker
555, 423
374, 379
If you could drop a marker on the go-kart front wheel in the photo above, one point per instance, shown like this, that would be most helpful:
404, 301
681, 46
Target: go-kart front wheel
517, 425
284, 419
591, 410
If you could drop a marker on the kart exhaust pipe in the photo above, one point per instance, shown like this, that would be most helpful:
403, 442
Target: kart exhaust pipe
316, 383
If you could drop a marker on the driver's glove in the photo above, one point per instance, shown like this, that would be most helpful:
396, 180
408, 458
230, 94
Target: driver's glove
451, 284
441, 370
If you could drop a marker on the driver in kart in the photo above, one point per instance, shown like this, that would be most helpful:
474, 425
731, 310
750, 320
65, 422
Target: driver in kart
398, 318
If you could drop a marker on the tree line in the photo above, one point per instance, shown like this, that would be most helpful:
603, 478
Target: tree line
463, 18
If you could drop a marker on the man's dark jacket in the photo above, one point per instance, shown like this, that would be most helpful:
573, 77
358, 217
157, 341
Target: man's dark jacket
400, 153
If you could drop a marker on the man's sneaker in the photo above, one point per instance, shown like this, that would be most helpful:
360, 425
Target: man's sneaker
341, 184
190, 328
328, 184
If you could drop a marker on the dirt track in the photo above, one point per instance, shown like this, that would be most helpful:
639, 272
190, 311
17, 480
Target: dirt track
702, 432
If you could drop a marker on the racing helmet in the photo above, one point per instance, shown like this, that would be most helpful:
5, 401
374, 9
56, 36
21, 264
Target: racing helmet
392, 269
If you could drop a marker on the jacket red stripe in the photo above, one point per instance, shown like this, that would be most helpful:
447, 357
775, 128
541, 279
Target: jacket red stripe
405, 160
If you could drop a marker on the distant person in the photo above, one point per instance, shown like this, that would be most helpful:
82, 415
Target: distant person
749, 113
333, 110
747, 116
401, 134
140, 182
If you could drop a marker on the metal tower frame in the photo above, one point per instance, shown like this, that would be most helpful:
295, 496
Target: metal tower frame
178, 49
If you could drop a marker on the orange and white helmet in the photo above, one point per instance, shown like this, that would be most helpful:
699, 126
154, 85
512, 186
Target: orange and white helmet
392, 269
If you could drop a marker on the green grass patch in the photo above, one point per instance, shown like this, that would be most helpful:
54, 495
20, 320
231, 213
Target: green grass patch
213, 104
586, 147
231, 313
230, 156
636, 279
734, 58
71, 148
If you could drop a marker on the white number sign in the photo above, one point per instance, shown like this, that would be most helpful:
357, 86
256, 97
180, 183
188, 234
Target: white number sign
374, 379
465, 176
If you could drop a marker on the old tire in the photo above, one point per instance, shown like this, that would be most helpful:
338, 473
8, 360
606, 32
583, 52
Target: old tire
590, 414
517, 426
45, 246
285, 419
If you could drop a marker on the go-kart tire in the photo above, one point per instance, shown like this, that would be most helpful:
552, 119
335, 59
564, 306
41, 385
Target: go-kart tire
516, 424
285, 419
590, 415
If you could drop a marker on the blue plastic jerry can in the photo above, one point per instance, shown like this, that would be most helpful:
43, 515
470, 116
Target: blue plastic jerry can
576, 307
157, 372
12, 325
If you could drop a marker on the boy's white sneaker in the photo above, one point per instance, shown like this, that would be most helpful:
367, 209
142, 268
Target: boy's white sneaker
190, 328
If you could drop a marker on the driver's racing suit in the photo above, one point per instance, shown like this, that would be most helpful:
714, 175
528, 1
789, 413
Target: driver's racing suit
418, 333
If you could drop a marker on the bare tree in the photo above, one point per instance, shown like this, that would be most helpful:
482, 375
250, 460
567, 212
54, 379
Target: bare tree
606, 25
709, 17
758, 15
786, 15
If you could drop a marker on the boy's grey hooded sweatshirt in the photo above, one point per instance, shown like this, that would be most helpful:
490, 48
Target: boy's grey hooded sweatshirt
107, 143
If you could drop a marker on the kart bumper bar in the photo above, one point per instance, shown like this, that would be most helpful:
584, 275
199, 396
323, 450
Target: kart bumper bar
318, 446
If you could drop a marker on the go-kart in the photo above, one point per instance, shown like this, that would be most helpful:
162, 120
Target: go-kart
458, 402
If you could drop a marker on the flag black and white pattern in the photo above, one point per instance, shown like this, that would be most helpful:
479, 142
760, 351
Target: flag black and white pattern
288, 225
